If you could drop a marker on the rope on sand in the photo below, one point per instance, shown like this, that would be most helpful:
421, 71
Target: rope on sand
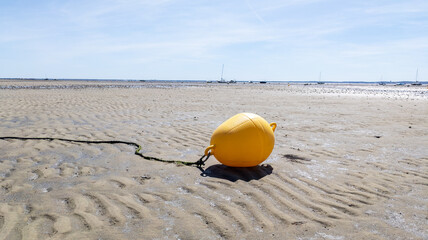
198, 164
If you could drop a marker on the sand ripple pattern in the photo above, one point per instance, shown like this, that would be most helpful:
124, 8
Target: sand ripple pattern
329, 177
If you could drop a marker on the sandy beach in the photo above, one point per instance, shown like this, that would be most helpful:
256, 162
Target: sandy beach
349, 162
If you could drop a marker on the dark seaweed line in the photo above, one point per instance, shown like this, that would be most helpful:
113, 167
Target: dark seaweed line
138, 147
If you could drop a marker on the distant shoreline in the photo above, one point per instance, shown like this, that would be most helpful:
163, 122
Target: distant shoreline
213, 81
407, 91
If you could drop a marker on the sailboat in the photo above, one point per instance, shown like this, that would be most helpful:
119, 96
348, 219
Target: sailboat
416, 83
381, 82
319, 79
222, 79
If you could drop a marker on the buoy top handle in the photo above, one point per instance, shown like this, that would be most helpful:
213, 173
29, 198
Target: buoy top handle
273, 126
208, 149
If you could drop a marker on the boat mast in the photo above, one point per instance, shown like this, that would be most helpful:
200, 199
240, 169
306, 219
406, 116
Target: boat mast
222, 69
417, 74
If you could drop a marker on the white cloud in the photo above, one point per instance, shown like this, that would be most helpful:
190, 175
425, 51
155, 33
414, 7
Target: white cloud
399, 8
402, 46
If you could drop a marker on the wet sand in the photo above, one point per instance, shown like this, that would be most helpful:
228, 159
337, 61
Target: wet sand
350, 162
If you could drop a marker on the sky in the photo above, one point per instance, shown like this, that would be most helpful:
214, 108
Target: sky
288, 40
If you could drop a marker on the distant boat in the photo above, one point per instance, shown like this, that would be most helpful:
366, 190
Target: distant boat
319, 79
263, 82
381, 81
416, 83
222, 79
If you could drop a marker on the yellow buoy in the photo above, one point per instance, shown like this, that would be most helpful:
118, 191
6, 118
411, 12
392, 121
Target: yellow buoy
244, 140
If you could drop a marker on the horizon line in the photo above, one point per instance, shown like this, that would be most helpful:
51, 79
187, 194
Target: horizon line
204, 80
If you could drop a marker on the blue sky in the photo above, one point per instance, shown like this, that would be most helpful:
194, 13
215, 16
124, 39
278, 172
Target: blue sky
174, 39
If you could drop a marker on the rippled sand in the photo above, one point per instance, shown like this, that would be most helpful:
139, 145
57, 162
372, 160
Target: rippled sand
350, 162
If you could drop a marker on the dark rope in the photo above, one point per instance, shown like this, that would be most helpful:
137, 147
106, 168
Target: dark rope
198, 164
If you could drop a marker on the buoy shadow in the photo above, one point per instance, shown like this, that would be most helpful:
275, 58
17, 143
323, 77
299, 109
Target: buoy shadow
234, 174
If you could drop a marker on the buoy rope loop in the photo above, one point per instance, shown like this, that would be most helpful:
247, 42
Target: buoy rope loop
209, 149
201, 161
198, 164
